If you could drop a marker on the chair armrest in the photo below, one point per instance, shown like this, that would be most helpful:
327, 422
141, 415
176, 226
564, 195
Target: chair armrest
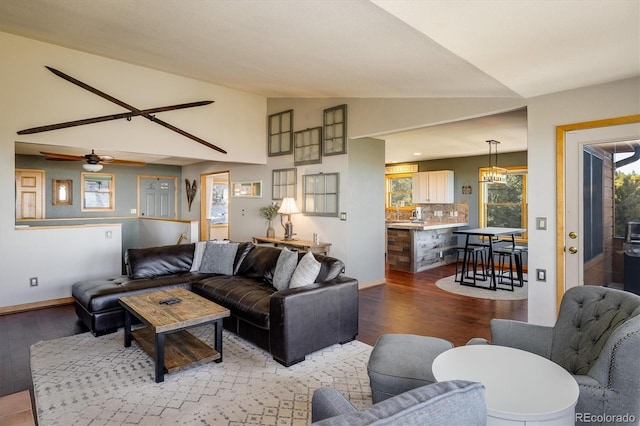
327, 403
521, 335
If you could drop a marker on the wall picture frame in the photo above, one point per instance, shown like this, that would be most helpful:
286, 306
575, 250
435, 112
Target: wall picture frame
62, 190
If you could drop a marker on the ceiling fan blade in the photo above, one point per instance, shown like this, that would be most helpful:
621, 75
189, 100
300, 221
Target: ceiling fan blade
132, 108
127, 163
62, 157
111, 117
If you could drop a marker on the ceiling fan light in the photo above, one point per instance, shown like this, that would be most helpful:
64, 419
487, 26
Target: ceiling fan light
92, 167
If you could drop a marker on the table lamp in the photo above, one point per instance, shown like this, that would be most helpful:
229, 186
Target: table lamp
288, 208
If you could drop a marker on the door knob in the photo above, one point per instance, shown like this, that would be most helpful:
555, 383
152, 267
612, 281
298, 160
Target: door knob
573, 250
573, 235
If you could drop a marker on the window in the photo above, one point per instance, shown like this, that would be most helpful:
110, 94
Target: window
335, 132
280, 133
505, 205
98, 192
320, 194
284, 184
399, 187
307, 148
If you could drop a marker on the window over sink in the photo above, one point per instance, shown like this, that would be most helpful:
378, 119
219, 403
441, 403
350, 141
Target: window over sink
399, 191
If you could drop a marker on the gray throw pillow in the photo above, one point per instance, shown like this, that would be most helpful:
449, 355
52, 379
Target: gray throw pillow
306, 272
218, 258
197, 255
286, 265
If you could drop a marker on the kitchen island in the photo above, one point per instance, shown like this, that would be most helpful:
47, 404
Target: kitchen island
418, 246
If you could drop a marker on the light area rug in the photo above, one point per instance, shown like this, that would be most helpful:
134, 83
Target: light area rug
449, 284
84, 380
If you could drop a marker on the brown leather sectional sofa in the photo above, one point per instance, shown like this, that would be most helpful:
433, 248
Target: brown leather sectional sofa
289, 324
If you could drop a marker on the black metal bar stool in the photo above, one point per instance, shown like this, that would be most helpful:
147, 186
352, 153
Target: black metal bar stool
475, 259
508, 257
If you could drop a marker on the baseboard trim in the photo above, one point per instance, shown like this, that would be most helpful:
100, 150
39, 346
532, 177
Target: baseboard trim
35, 305
371, 284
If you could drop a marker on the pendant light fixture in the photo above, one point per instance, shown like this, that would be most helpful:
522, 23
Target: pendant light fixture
493, 173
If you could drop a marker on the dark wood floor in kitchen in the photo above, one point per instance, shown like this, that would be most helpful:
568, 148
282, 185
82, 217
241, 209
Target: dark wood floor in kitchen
408, 303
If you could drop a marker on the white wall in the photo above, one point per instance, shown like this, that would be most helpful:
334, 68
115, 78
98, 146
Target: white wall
32, 96
616, 99
58, 257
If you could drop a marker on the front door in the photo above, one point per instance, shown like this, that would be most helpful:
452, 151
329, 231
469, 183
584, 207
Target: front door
157, 196
572, 141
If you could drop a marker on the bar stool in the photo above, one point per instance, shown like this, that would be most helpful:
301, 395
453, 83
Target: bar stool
476, 259
505, 274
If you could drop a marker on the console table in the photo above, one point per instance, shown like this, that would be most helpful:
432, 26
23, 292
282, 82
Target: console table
299, 245
521, 387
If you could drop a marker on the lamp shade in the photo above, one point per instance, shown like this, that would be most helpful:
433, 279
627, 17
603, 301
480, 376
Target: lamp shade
92, 167
288, 206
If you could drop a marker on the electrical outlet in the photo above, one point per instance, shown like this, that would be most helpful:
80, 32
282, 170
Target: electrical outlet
108, 235
33, 281
343, 215
133, 211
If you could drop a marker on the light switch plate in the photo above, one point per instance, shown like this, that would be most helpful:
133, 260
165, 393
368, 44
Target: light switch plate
541, 223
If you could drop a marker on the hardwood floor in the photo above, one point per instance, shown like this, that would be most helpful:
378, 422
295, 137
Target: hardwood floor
408, 303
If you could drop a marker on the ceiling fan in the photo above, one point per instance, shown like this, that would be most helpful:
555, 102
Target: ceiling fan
93, 161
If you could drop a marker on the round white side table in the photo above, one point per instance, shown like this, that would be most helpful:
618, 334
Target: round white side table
521, 387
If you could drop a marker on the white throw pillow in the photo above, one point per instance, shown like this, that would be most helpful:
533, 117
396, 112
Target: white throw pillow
286, 265
218, 258
197, 255
306, 272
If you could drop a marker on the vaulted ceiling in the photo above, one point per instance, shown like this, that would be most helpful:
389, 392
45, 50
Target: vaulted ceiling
353, 48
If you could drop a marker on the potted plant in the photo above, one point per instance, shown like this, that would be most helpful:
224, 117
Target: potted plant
269, 213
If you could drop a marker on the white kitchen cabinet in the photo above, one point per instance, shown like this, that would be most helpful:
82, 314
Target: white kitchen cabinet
433, 187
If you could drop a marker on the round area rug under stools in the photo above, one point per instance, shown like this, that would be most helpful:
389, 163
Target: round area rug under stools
401, 362
449, 284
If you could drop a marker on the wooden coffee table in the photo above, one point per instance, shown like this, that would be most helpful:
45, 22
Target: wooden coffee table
165, 337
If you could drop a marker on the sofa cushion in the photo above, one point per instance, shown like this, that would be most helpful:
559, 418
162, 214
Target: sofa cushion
243, 296
218, 258
157, 261
260, 263
102, 295
306, 272
285, 267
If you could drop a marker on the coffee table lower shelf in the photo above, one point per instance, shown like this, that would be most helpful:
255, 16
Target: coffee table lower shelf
182, 349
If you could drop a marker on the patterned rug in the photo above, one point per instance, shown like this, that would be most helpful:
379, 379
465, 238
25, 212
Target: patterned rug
82, 380
449, 284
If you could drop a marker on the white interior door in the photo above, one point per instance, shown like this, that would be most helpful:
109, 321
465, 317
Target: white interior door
575, 141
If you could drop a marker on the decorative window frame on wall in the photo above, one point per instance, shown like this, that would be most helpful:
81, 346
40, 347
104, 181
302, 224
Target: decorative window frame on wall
280, 133
62, 194
284, 183
335, 130
320, 195
308, 146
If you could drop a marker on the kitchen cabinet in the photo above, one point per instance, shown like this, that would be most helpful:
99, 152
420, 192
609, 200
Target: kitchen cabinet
433, 187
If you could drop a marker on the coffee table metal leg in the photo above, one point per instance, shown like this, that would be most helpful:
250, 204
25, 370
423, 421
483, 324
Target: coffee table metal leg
218, 347
159, 357
127, 328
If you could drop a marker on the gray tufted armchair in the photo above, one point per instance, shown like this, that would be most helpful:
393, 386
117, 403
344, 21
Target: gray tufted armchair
597, 339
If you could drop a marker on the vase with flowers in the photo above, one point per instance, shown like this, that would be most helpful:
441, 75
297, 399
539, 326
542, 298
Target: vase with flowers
269, 213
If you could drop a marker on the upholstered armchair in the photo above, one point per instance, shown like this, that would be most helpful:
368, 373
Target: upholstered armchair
597, 339
451, 403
